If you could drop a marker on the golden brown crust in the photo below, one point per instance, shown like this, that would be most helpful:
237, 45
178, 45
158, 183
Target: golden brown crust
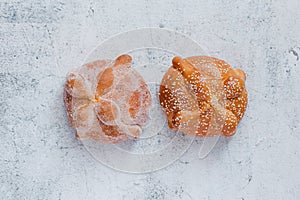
107, 101
203, 96
106, 80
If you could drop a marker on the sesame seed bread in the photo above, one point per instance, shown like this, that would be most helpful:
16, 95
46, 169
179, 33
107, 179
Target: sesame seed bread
203, 96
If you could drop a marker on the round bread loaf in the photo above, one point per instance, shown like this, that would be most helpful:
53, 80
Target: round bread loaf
107, 100
203, 96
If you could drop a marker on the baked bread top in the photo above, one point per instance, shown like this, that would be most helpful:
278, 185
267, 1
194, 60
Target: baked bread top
203, 96
107, 100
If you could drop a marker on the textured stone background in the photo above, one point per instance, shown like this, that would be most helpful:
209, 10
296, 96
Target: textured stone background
41, 42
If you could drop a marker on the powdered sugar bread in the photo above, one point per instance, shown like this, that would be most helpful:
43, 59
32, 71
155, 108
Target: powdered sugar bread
107, 100
203, 96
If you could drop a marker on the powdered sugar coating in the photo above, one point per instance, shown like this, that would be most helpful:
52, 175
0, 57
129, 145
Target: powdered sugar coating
107, 101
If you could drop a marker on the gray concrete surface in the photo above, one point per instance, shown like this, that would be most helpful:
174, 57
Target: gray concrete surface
42, 41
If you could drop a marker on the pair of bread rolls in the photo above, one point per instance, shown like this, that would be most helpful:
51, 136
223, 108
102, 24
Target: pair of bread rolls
109, 102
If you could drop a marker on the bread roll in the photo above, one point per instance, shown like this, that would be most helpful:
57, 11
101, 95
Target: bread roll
203, 96
107, 100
